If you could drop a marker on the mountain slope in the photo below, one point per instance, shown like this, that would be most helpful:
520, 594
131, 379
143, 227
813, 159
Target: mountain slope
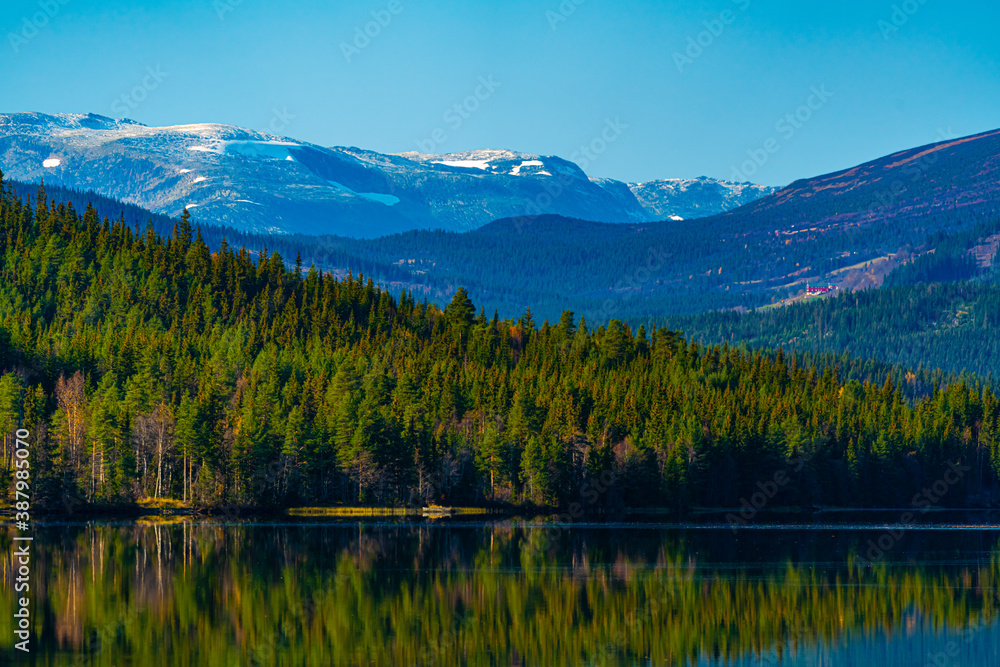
850, 229
266, 183
948, 175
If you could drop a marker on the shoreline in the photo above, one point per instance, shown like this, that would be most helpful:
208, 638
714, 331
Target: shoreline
559, 515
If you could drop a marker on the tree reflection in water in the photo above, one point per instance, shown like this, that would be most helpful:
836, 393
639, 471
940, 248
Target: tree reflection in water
200, 592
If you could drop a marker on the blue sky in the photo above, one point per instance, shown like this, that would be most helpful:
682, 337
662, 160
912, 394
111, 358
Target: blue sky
692, 88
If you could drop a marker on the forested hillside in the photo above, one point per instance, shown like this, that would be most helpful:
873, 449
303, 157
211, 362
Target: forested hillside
632, 272
954, 326
311, 249
148, 365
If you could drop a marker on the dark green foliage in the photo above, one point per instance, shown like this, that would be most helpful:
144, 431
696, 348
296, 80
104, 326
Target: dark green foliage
951, 326
147, 365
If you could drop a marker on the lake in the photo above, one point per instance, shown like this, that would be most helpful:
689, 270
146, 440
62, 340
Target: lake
196, 591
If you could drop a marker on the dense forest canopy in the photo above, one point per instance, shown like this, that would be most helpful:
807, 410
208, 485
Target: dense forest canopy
953, 326
145, 364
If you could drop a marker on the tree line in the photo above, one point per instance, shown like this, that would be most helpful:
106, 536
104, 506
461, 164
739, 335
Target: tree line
151, 365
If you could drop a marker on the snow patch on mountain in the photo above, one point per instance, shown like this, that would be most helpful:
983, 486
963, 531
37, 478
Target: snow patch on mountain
508, 163
516, 171
465, 164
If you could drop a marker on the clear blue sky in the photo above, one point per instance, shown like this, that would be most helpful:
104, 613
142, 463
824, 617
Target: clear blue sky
560, 81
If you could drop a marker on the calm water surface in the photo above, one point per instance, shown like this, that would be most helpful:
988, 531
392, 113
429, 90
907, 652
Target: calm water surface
202, 592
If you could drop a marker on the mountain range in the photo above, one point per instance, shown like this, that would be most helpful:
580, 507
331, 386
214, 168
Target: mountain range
849, 229
924, 215
265, 183
931, 210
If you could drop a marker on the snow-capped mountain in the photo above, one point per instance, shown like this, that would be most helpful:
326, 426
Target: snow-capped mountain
696, 197
262, 182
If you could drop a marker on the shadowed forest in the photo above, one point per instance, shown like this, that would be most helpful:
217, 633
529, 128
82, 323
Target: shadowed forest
151, 366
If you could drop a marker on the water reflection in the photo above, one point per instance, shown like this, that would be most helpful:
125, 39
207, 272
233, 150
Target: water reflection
184, 592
